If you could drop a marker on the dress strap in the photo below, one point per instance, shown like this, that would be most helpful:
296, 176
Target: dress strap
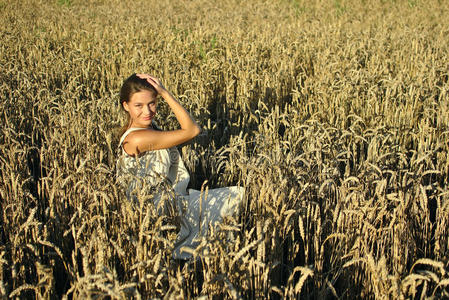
128, 132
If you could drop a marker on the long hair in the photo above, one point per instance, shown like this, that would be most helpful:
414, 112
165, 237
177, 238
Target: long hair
132, 85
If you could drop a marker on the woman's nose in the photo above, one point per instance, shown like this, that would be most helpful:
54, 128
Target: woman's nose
146, 110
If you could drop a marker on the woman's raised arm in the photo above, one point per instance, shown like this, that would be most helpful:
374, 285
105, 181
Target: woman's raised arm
143, 140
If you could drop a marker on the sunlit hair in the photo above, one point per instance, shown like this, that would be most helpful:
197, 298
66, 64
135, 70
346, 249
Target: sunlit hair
133, 84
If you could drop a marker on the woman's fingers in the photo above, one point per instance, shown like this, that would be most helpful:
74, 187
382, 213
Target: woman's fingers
155, 82
147, 77
143, 76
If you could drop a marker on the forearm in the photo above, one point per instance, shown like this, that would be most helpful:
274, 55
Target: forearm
182, 115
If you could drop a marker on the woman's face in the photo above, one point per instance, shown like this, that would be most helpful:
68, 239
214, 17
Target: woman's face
141, 108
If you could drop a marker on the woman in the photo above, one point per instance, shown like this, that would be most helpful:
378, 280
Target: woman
149, 165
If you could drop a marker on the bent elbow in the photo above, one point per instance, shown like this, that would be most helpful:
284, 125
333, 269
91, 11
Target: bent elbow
197, 130
192, 132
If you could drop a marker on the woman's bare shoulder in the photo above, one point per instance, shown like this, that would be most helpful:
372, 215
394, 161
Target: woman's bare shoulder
132, 143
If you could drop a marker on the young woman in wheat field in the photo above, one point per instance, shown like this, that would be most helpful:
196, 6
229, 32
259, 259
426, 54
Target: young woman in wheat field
149, 165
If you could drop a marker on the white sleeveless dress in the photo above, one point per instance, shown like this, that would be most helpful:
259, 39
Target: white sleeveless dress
162, 175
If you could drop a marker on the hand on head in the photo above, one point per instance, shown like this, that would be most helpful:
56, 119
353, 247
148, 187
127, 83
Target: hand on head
156, 83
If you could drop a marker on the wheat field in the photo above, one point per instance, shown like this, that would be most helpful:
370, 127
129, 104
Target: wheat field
334, 116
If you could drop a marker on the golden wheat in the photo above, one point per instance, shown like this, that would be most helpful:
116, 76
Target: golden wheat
332, 114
